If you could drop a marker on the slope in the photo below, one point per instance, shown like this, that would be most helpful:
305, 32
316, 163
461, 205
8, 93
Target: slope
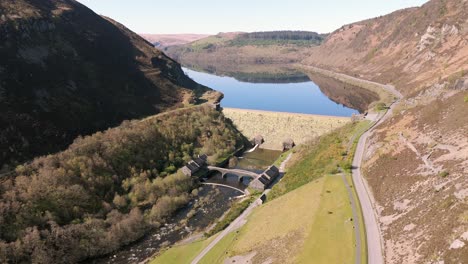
66, 71
415, 162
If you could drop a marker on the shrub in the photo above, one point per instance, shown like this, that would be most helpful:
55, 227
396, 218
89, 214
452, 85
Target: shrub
380, 106
443, 174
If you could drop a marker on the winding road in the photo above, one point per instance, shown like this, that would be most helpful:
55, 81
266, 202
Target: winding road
373, 235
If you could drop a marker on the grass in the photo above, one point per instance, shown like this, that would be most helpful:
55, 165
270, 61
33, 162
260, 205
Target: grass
275, 127
362, 227
319, 157
331, 238
289, 214
218, 253
309, 223
308, 211
181, 254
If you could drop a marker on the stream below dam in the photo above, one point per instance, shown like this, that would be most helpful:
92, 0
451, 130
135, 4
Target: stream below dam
210, 204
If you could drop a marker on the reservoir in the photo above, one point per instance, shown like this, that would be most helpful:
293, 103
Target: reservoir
295, 97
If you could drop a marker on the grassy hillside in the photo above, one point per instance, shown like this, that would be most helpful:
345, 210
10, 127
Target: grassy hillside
66, 72
219, 51
107, 189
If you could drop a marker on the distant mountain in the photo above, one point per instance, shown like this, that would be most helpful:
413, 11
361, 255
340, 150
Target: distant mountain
166, 40
224, 49
65, 71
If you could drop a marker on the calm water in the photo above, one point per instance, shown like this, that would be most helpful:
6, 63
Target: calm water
304, 97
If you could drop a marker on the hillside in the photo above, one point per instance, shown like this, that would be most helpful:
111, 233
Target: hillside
411, 48
165, 40
108, 189
66, 72
416, 162
244, 49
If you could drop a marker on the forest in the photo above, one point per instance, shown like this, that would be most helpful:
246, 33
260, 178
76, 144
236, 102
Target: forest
279, 37
106, 190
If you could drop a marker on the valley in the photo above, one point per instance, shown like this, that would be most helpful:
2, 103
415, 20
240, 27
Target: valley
274, 146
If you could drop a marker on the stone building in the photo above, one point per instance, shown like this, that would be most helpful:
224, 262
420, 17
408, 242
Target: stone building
194, 165
258, 140
288, 144
267, 177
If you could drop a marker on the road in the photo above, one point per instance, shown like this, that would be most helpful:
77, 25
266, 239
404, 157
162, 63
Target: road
373, 235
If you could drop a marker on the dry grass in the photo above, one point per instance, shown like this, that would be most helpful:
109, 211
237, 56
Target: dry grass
275, 127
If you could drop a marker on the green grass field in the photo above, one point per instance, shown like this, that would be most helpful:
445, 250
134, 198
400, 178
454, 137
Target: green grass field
181, 254
308, 225
331, 238
285, 220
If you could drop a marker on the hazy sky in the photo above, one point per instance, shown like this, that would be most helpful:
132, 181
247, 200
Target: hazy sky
213, 16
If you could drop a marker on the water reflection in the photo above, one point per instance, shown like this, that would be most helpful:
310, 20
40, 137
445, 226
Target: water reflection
304, 97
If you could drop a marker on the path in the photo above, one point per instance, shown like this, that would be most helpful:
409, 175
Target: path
424, 158
239, 222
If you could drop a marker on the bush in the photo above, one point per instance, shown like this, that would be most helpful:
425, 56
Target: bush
381, 106
444, 174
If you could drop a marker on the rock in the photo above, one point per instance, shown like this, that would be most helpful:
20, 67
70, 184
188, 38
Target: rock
457, 243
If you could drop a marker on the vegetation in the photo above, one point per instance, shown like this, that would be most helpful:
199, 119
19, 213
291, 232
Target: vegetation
58, 83
444, 174
381, 106
289, 215
181, 254
107, 189
321, 156
300, 38
232, 214
331, 237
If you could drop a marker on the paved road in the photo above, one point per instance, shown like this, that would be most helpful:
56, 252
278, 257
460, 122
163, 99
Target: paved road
373, 234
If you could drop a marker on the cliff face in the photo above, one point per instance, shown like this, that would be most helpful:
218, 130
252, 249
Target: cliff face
66, 71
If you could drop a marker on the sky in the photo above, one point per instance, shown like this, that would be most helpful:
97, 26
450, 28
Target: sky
214, 16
